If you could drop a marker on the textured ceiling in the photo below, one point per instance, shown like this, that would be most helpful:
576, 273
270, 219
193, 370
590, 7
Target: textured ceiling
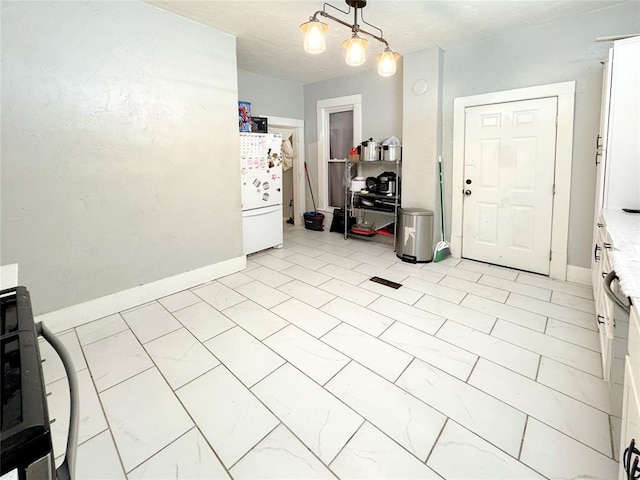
269, 41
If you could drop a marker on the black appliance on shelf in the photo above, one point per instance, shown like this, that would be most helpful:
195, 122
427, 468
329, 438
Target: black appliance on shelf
387, 183
25, 444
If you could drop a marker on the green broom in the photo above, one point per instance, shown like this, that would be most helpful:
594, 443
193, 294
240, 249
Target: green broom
442, 249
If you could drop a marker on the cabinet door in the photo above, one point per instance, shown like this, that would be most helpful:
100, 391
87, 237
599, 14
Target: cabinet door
630, 428
622, 172
604, 318
603, 133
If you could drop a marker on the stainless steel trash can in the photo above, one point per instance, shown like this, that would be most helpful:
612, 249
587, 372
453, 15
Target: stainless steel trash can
414, 235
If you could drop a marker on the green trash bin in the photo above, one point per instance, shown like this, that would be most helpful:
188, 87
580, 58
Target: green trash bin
414, 235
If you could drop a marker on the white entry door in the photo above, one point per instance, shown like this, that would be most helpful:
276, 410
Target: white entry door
509, 164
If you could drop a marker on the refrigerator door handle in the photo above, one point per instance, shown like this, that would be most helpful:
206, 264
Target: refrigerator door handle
254, 212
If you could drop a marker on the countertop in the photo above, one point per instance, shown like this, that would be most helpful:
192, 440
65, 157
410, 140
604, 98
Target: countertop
624, 230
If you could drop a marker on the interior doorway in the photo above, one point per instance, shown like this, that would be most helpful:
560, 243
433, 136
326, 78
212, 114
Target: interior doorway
293, 178
563, 95
509, 161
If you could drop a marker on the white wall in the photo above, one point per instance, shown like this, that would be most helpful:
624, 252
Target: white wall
381, 110
422, 128
270, 95
561, 51
556, 52
119, 137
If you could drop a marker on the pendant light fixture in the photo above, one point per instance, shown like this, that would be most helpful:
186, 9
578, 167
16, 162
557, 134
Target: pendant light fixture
356, 50
314, 36
356, 46
387, 62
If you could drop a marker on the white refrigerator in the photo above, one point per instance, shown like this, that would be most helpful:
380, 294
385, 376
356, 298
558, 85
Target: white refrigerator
261, 186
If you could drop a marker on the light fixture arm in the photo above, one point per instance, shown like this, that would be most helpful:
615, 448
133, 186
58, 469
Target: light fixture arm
355, 28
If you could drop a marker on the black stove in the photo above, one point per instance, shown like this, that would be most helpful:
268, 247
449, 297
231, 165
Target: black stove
25, 443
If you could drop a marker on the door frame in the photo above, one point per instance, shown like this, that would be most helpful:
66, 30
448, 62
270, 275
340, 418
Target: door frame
299, 197
565, 94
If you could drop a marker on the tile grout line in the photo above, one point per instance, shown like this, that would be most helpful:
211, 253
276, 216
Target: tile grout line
400, 374
538, 371
471, 373
254, 446
524, 432
339, 370
328, 464
435, 334
433, 447
383, 332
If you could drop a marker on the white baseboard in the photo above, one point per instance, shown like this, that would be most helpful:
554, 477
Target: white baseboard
579, 275
86, 312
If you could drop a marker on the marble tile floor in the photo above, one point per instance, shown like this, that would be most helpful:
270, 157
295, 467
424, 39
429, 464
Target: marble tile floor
301, 367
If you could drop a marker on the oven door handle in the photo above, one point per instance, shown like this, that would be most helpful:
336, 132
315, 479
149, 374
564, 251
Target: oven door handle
611, 276
66, 471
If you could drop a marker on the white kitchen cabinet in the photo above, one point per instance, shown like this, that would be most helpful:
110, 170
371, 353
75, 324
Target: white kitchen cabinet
601, 150
616, 157
615, 235
618, 170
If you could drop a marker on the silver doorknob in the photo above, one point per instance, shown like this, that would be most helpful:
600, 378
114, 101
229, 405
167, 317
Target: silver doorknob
467, 193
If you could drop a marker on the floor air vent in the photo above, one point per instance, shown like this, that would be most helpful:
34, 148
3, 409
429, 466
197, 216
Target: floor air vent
385, 282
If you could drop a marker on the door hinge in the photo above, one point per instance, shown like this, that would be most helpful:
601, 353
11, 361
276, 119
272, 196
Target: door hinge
550, 255
554, 189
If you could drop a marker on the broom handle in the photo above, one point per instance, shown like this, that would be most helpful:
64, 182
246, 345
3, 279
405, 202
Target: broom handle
310, 189
441, 197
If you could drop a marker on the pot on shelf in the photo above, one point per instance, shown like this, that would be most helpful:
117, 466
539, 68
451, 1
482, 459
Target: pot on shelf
391, 150
391, 153
370, 151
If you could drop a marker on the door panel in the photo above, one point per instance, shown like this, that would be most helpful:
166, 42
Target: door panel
488, 223
509, 174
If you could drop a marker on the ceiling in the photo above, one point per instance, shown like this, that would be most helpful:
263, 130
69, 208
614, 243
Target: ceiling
269, 41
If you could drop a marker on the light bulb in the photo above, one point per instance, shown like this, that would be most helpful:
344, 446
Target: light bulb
314, 36
356, 50
387, 62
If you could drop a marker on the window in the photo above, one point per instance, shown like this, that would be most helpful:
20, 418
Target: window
339, 129
340, 142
